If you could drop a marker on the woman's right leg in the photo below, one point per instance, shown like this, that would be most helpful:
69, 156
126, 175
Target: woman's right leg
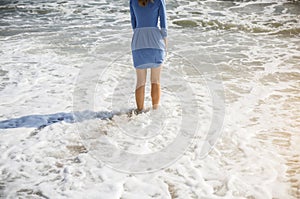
155, 86
141, 75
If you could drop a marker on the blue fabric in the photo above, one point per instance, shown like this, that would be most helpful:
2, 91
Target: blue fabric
148, 47
148, 57
148, 37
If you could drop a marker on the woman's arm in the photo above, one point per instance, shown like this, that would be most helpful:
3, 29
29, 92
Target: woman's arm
133, 20
163, 22
163, 19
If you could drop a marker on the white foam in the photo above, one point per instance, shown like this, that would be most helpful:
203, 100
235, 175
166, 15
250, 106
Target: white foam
48, 56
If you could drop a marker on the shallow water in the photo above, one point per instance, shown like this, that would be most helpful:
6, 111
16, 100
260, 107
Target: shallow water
55, 55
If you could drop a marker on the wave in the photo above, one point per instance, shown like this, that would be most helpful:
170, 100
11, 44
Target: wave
272, 28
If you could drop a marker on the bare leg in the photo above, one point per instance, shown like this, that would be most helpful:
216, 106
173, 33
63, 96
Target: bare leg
155, 86
141, 75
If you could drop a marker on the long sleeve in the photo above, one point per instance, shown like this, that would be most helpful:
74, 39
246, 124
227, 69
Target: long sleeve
133, 19
163, 18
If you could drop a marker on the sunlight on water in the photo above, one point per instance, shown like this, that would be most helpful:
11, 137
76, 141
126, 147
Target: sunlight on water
54, 52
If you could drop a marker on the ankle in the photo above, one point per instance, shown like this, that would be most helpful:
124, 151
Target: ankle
155, 106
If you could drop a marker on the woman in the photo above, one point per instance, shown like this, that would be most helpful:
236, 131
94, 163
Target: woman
148, 46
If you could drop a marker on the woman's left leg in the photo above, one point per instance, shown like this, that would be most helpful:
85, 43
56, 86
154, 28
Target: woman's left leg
141, 75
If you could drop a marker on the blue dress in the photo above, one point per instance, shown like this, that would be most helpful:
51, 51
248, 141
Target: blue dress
147, 45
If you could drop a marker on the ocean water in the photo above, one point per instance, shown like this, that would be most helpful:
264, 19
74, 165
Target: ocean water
230, 102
